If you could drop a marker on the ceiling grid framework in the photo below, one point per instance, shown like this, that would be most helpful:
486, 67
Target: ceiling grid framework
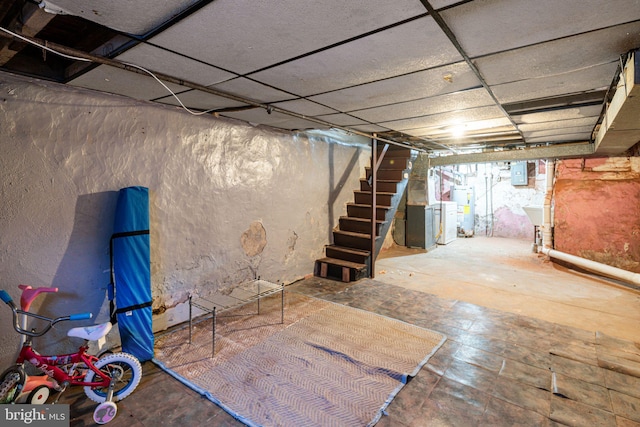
442, 76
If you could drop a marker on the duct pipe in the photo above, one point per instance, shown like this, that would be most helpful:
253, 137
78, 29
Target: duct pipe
596, 267
547, 236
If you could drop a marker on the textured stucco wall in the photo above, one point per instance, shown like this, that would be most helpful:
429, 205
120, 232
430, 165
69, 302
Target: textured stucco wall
226, 198
597, 210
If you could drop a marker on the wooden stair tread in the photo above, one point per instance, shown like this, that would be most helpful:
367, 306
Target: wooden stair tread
368, 206
355, 218
342, 263
383, 193
353, 234
350, 250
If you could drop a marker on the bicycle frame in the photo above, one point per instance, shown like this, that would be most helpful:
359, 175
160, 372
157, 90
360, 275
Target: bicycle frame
51, 365
122, 376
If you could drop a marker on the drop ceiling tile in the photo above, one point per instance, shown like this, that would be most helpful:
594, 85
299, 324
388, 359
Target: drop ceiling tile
305, 107
246, 35
577, 137
438, 4
588, 79
427, 106
370, 128
560, 56
169, 63
342, 119
198, 100
484, 27
253, 90
421, 84
137, 17
413, 46
561, 131
122, 82
446, 119
471, 128
259, 116
559, 124
559, 114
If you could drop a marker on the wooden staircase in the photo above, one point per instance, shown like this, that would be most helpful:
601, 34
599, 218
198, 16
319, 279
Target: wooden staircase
349, 257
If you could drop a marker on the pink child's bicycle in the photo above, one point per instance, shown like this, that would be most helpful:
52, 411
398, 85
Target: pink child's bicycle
105, 380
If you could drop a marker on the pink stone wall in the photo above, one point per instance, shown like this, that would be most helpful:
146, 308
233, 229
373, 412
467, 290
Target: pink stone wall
597, 210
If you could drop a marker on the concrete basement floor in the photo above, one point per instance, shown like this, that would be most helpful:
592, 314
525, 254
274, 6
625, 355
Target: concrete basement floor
529, 343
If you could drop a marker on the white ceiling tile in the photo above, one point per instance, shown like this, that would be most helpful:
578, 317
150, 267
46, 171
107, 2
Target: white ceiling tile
489, 26
447, 119
470, 128
559, 124
342, 120
370, 128
133, 17
421, 84
437, 4
560, 131
261, 117
559, 114
252, 90
594, 78
414, 46
427, 106
122, 82
246, 35
560, 56
570, 137
171, 64
305, 107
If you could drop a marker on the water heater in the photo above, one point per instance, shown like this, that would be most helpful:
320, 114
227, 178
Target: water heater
465, 197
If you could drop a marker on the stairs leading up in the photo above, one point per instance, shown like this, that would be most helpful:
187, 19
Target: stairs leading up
349, 257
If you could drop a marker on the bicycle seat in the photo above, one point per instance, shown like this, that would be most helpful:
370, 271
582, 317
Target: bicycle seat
91, 333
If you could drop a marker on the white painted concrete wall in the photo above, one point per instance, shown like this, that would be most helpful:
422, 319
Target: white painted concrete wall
66, 152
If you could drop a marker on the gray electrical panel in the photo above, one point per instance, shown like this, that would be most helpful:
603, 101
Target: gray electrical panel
519, 173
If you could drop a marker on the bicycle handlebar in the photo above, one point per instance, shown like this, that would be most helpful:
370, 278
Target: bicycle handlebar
6, 298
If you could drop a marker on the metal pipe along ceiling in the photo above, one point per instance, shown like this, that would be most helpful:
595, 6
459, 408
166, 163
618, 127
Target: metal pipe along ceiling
60, 49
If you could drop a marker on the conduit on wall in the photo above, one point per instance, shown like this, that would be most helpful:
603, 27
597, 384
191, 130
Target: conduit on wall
547, 242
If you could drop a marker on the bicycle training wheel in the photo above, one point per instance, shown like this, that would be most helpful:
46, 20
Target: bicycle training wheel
11, 384
124, 368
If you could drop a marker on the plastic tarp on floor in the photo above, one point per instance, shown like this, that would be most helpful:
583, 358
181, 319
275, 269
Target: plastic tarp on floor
130, 290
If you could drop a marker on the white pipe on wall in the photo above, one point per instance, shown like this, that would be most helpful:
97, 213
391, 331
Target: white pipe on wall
547, 243
546, 214
596, 267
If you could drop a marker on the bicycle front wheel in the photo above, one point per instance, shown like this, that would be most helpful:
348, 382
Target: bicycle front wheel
11, 384
123, 368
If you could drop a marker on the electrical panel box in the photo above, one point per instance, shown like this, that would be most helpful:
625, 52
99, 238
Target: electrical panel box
519, 173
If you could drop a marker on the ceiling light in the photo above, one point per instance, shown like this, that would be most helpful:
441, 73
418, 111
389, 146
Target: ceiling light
457, 131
